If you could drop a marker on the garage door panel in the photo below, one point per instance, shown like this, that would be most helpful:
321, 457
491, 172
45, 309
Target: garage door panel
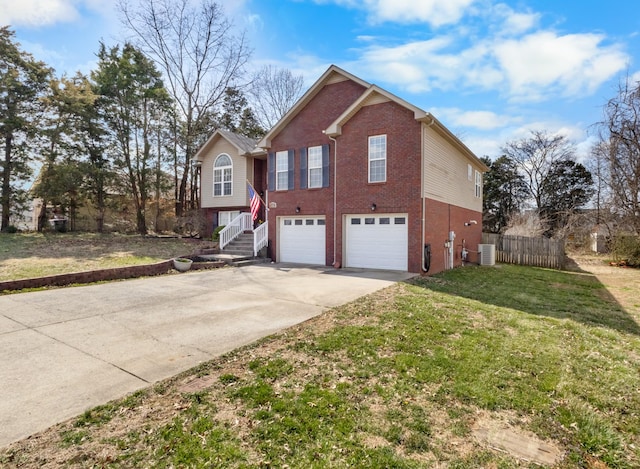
377, 241
302, 240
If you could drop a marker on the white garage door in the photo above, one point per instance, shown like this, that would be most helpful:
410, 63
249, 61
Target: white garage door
302, 240
377, 241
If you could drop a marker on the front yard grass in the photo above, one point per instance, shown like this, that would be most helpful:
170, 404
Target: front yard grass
397, 379
30, 255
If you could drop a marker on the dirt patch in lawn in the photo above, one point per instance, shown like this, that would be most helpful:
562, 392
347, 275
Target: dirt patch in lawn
499, 431
622, 283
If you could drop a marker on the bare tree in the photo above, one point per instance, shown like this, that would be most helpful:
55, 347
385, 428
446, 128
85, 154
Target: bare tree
273, 92
200, 56
619, 147
535, 157
597, 163
528, 223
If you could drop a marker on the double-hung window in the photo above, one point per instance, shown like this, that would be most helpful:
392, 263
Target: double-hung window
222, 176
478, 184
378, 158
315, 167
282, 170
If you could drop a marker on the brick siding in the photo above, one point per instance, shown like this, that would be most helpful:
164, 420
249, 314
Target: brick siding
440, 218
305, 130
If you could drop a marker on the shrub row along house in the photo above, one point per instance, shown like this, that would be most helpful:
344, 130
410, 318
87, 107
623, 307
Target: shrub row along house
352, 176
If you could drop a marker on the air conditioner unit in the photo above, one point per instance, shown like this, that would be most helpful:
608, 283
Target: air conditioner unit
487, 254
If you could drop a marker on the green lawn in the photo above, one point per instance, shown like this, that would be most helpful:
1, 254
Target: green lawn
397, 379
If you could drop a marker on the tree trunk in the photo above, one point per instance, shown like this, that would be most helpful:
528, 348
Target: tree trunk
42, 216
6, 183
100, 199
157, 181
140, 221
101, 211
73, 205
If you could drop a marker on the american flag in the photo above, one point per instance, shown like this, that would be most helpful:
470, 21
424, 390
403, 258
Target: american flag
254, 202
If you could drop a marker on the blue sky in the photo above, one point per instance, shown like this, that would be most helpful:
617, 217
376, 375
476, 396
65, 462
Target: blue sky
490, 70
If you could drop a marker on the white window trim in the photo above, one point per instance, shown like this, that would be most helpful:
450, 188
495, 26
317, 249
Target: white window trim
282, 154
227, 216
478, 184
222, 181
318, 167
384, 158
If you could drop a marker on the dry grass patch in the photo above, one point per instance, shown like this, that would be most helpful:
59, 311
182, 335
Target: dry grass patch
31, 255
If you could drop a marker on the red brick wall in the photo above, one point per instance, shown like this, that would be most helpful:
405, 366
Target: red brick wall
208, 214
305, 130
401, 192
440, 218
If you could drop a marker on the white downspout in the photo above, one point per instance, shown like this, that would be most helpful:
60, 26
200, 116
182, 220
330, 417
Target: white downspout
452, 237
335, 194
422, 186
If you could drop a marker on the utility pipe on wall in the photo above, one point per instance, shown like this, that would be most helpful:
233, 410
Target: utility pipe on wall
422, 189
335, 193
452, 236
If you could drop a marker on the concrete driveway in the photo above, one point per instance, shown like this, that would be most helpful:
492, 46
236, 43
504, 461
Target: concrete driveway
66, 350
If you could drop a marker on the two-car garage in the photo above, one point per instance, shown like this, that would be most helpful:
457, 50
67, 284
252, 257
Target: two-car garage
371, 241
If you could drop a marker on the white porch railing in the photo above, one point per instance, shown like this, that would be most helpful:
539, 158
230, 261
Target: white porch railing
260, 237
238, 225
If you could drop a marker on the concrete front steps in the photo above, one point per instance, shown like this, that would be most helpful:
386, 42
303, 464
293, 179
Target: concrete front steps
238, 252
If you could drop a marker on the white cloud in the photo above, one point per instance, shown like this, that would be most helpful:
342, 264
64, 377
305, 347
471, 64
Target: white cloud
233, 8
532, 67
511, 22
544, 62
417, 66
503, 52
520, 22
37, 12
483, 146
490, 143
483, 120
433, 12
254, 22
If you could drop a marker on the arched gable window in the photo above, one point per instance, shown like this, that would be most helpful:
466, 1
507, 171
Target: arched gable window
222, 176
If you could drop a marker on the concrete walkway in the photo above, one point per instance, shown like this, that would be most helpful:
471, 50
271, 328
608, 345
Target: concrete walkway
66, 350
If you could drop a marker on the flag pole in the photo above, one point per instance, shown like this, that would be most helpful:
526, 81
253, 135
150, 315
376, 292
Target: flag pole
258, 194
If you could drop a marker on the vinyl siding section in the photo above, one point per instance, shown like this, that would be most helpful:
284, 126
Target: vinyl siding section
445, 173
241, 172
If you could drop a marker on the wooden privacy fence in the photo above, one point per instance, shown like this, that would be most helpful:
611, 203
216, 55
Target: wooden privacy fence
539, 252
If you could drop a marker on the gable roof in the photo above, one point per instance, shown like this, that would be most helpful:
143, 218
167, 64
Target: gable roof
378, 94
333, 74
372, 94
246, 146
375, 94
